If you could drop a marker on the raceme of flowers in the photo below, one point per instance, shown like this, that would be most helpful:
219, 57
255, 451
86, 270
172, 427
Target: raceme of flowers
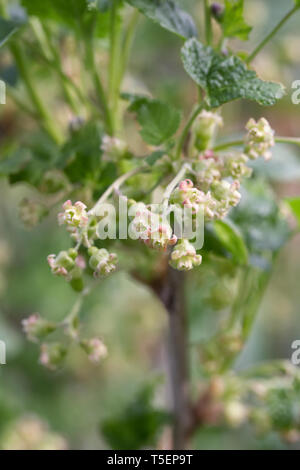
212, 188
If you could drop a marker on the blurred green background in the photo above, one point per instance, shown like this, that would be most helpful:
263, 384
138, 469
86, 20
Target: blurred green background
76, 407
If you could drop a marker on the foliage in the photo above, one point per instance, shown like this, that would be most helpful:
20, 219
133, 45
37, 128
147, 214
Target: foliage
89, 140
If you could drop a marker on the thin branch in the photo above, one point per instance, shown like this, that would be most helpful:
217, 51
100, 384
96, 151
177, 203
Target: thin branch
240, 143
115, 186
272, 33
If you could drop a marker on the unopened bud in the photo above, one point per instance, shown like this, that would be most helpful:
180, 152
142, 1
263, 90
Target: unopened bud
217, 11
204, 129
52, 355
102, 262
259, 140
36, 327
95, 349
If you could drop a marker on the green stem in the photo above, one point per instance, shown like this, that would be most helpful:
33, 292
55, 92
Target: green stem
208, 26
80, 95
288, 140
92, 68
186, 129
128, 40
115, 65
240, 143
272, 34
47, 121
59, 69
74, 310
115, 186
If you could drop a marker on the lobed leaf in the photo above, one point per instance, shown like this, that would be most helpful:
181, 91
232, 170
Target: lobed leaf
225, 79
158, 120
233, 22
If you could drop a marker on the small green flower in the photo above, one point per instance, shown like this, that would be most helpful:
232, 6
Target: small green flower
184, 256
102, 262
52, 355
259, 140
36, 327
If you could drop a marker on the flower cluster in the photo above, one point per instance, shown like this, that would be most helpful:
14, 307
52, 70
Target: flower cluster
226, 195
188, 196
101, 261
74, 216
53, 354
208, 169
70, 264
151, 228
235, 166
259, 140
184, 256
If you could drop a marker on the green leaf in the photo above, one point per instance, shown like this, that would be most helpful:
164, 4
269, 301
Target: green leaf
168, 14
226, 78
232, 239
283, 166
158, 120
260, 220
233, 23
81, 154
7, 29
294, 204
66, 12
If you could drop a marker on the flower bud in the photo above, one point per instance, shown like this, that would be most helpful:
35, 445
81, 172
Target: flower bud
63, 263
184, 256
37, 328
259, 140
204, 129
32, 212
152, 228
185, 194
74, 216
208, 169
235, 165
161, 238
102, 262
95, 349
217, 11
226, 195
52, 355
